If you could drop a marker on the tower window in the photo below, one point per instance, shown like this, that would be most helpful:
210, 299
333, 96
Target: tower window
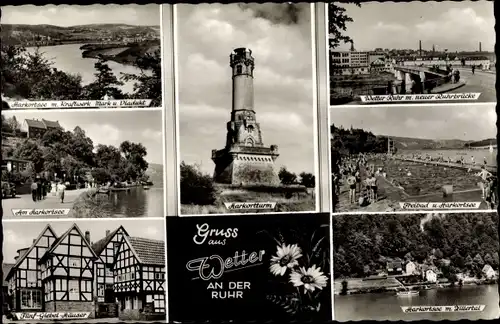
239, 69
249, 142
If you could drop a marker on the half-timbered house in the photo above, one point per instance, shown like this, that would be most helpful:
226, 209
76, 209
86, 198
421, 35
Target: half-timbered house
140, 278
67, 269
106, 249
25, 278
118, 275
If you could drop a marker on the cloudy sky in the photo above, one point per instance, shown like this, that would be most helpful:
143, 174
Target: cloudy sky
468, 122
280, 39
73, 15
109, 127
452, 25
18, 235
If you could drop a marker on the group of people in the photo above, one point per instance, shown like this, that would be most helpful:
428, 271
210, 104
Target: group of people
40, 187
363, 190
489, 187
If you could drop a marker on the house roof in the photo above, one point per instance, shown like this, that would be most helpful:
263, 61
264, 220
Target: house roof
61, 238
21, 257
149, 251
487, 267
100, 245
35, 123
43, 124
51, 124
5, 271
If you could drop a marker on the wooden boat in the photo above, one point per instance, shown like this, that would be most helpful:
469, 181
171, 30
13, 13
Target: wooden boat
104, 191
407, 293
145, 187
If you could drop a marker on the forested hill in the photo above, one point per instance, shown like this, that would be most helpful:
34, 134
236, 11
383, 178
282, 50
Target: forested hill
19, 34
355, 140
364, 244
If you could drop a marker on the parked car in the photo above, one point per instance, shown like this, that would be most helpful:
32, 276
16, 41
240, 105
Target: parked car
8, 190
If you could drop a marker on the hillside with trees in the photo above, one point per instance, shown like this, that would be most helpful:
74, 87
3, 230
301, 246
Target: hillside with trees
363, 244
71, 155
355, 141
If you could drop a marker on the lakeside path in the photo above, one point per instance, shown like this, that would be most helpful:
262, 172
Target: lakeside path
50, 202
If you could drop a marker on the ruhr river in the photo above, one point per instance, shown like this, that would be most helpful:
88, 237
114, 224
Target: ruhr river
387, 306
68, 58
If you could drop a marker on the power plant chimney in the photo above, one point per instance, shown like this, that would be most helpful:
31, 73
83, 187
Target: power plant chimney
480, 50
420, 47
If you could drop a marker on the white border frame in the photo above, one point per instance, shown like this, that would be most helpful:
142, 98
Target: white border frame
324, 101
170, 104
318, 117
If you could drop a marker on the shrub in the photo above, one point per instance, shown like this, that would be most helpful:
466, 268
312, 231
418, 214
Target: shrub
196, 187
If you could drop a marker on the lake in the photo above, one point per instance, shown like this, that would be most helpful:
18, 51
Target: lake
68, 58
136, 203
387, 306
479, 155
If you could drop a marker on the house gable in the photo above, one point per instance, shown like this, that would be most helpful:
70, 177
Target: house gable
41, 244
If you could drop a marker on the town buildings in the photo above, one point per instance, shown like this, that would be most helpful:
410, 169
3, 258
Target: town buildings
118, 276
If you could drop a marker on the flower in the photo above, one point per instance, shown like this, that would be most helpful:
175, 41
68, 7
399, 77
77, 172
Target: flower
311, 278
286, 258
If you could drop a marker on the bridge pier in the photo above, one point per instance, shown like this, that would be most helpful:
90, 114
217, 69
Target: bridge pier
408, 83
422, 80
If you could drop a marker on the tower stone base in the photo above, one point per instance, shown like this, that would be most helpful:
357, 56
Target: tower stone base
241, 165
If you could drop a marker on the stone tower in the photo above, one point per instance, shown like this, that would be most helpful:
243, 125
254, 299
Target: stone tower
244, 160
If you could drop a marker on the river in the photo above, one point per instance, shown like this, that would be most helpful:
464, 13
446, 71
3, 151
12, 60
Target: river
387, 306
68, 58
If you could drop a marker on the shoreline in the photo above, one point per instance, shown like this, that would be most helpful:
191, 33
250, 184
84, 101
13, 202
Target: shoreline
434, 286
121, 53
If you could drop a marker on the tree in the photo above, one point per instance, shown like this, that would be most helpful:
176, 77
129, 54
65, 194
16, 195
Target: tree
286, 177
134, 154
29, 150
307, 180
337, 19
195, 187
14, 124
106, 83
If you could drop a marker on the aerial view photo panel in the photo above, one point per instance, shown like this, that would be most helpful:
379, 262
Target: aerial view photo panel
415, 267
246, 108
384, 52
72, 56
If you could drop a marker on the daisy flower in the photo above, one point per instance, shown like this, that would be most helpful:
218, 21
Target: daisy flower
286, 258
311, 279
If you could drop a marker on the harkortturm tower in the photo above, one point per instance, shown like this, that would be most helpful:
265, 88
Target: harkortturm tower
244, 160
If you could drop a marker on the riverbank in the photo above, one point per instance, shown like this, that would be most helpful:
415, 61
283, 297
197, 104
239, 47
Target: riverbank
126, 54
89, 204
412, 181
